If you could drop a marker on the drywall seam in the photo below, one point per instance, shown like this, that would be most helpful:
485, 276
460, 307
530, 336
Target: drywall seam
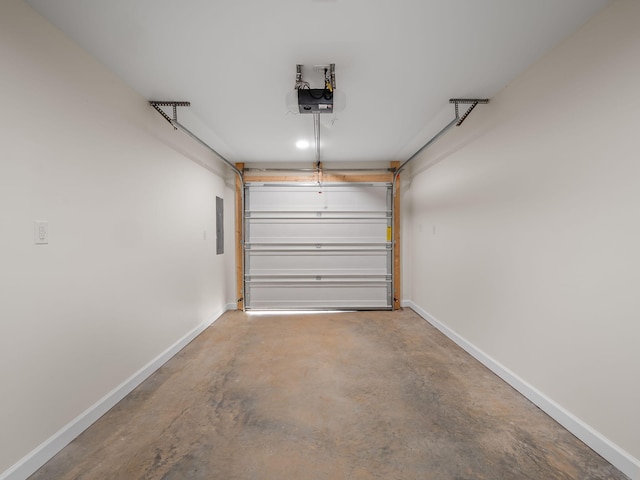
50, 447
617, 456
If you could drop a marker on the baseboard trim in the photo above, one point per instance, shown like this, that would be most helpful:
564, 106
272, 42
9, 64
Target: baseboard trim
50, 447
615, 455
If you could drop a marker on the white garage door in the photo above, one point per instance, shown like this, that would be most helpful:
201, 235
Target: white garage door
318, 247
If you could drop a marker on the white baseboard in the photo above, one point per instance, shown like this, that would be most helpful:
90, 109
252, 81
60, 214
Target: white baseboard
50, 447
615, 455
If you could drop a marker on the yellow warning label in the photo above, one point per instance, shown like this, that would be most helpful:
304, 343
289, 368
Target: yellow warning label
388, 234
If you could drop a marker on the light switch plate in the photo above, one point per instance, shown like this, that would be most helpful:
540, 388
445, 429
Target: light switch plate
41, 232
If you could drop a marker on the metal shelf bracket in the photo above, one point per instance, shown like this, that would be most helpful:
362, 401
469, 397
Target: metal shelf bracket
473, 101
157, 104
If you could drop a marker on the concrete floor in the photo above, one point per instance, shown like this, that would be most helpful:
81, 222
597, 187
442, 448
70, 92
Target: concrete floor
365, 395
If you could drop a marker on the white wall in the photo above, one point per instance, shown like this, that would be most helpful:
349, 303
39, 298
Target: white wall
127, 272
535, 201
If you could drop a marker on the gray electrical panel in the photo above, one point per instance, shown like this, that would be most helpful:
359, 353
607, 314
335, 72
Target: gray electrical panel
219, 226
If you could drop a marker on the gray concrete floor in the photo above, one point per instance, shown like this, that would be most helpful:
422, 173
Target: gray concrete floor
364, 395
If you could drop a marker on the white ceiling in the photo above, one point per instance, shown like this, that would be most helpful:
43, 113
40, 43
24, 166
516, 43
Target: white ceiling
397, 62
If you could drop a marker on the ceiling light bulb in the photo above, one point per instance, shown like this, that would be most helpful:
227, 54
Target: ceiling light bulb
302, 144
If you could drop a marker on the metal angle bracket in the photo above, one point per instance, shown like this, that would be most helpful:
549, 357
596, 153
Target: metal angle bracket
157, 104
473, 101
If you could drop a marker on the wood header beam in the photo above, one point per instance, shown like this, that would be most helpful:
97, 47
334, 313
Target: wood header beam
325, 178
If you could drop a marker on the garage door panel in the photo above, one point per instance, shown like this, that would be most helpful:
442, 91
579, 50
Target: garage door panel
312, 198
310, 231
320, 263
300, 295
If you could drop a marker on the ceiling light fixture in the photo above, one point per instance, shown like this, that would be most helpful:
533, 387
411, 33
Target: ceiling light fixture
302, 144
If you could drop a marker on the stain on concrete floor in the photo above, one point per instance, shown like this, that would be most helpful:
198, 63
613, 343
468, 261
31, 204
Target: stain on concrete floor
362, 395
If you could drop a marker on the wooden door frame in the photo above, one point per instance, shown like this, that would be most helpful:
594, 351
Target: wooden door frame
326, 178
